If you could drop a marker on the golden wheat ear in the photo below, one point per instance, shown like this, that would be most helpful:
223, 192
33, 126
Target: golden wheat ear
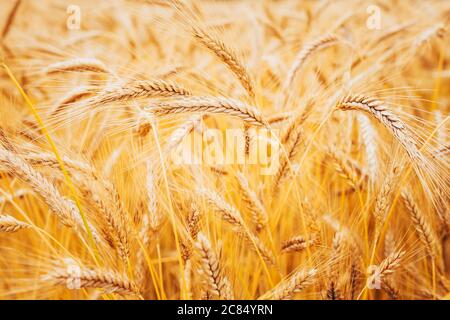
9, 224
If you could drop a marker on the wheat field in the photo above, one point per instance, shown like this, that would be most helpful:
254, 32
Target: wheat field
238, 149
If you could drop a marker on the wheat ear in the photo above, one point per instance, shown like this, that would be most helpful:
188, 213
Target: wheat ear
296, 244
293, 147
72, 96
77, 65
64, 209
252, 202
422, 227
383, 200
110, 209
390, 264
219, 105
138, 89
379, 111
286, 289
426, 36
231, 215
82, 277
227, 56
345, 168
217, 284
304, 53
10, 224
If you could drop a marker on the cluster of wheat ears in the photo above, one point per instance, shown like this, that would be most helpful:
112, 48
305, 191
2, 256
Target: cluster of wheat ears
96, 95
